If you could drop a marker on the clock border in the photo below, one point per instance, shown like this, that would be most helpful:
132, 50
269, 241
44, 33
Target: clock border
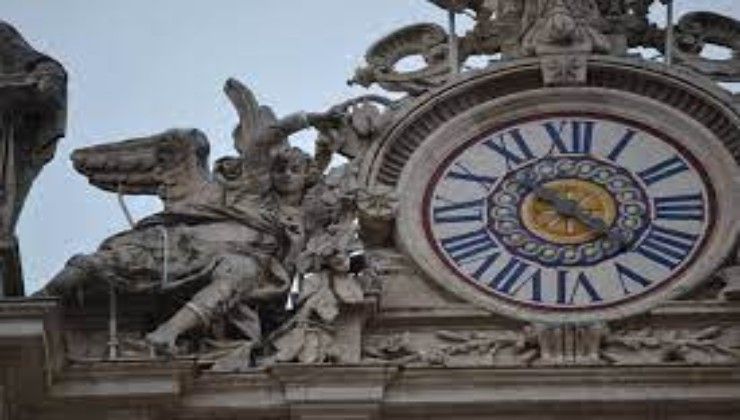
714, 160
686, 154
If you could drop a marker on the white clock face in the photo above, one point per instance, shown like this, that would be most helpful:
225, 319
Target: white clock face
568, 212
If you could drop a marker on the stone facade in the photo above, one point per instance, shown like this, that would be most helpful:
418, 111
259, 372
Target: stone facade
184, 317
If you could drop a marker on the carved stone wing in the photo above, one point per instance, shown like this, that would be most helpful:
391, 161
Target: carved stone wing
253, 118
170, 164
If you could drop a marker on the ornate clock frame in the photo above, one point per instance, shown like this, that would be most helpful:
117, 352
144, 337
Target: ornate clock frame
666, 100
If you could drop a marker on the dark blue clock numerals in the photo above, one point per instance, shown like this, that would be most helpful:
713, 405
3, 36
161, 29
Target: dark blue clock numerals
514, 276
580, 139
663, 170
508, 242
569, 286
667, 247
680, 207
621, 146
462, 173
472, 246
512, 147
468, 211
627, 276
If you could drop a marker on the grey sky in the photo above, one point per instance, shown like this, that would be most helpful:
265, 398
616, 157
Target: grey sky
141, 66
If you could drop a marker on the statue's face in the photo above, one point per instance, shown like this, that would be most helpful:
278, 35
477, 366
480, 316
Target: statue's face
339, 262
290, 174
229, 168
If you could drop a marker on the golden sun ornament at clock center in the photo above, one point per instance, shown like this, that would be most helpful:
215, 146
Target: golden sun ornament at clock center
541, 217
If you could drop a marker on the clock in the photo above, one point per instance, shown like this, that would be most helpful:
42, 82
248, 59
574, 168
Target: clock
574, 205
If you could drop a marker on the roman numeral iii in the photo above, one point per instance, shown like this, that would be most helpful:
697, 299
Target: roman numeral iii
680, 207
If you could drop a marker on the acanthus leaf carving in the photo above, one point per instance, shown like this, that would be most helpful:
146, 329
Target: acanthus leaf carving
452, 348
650, 346
559, 345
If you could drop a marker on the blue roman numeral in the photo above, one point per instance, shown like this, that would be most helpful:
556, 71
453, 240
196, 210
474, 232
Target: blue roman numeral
581, 136
508, 280
625, 274
469, 211
680, 207
472, 246
519, 151
622, 145
462, 173
505, 279
663, 170
667, 247
582, 282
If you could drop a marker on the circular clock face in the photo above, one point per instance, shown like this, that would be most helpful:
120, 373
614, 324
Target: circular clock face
569, 211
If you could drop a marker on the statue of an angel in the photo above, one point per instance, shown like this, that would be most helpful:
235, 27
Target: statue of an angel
236, 231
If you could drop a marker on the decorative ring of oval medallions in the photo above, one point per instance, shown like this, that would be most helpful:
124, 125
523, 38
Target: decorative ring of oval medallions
534, 229
635, 210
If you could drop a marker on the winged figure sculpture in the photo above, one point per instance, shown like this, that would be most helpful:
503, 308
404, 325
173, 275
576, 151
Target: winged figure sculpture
232, 234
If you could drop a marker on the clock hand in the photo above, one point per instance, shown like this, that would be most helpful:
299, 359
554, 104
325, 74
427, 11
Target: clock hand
597, 224
570, 208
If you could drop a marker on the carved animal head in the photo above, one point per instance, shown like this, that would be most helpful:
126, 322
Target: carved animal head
163, 164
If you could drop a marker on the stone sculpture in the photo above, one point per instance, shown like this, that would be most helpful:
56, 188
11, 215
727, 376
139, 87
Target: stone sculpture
234, 234
566, 26
560, 30
33, 102
696, 31
238, 238
554, 230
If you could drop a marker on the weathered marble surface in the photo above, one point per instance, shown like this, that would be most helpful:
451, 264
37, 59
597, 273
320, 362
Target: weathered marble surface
373, 330
33, 104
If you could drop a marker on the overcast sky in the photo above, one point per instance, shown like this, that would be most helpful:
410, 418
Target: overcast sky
139, 67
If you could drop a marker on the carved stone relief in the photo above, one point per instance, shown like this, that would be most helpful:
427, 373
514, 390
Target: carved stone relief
707, 346
233, 241
230, 244
521, 28
549, 345
427, 41
564, 70
697, 30
566, 27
